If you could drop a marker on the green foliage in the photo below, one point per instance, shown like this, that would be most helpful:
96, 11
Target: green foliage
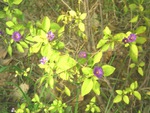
108, 70
133, 52
91, 107
61, 67
122, 94
86, 86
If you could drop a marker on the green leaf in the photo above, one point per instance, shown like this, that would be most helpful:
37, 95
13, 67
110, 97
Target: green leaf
140, 40
67, 91
23, 106
112, 45
42, 79
81, 26
9, 49
117, 99
147, 20
132, 65
17, 2
142, 64
86, 86
140, 29
20, 48
105, 47
83, 16
97, 57
107, 31
36, 98
18, 27
54, 27
133, 52
134, 19
60, 31
97, 109
126, 99
2, 14
46, 49
17, 12
119, 36
64, 63
119, 92
23, 44
87, 71
9, 31
137, 95
72, 13
108, 70
125, 9
141, 8
93, 100
10, 24
46, 24
133, 7
96, 87
148, 93
60, 45
35, 48
101, 43
134, 85
140, 71
51, 81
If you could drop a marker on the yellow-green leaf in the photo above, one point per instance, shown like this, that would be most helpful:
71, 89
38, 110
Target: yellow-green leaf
134, 19
126, 99
81, 26
86, 86
117, 99
67, 91
133, 52
137, 95
20, 48
140, 71
97, 57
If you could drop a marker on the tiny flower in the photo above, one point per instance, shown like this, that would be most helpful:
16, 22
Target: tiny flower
13, 110
82, 54
16, 36
98, 71
125, 40
43, 60
131, 38
1, 33
50, 36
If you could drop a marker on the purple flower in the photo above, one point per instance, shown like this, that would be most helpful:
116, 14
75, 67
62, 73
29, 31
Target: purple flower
98, 71
82, 54
50, 36
1, 33
43, 60
16, 36
131, 38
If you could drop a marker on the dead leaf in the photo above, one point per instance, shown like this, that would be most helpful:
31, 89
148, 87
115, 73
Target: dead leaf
3, 52
17, 93
5, 61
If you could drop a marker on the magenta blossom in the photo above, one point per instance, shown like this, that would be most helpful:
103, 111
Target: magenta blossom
43, 60
98, 72
82, 54
131, 38
16, 36
50, 36
1, 33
